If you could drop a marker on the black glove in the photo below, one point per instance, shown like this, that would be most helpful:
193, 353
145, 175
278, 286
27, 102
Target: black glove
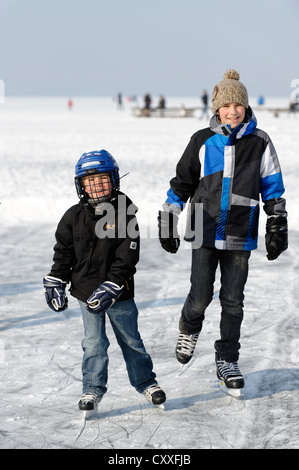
55, 293
276, 236
168, 231
104, 297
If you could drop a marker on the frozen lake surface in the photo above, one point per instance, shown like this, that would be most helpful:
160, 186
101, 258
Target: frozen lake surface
40, 351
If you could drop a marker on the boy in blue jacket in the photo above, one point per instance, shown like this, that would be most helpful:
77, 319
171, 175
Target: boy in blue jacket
224, 170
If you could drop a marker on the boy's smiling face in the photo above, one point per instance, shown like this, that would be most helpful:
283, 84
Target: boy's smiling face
232, 113
97, 186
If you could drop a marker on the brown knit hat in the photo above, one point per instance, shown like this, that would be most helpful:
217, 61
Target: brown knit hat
229, 90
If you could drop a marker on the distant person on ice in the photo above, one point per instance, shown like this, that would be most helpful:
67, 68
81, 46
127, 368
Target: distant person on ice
162, 102
96, 250
70, 104
161, 105
147, 104
119, 100
224, 170
205, 100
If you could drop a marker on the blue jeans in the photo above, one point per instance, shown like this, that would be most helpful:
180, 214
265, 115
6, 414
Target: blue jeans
123, 318
234, 272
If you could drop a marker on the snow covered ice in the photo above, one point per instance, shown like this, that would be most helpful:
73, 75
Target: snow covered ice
40, 351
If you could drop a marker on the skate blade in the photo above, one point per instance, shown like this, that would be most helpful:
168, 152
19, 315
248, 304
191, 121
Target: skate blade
160, 407
233, 392
184, 367
89, 414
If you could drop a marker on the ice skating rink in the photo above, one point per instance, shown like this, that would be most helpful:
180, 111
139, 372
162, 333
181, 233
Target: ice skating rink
40, 351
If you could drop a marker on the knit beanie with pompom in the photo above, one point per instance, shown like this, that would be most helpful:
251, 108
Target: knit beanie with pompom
229, 90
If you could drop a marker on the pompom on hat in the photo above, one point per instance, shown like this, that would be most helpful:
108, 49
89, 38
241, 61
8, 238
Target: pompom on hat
229, 90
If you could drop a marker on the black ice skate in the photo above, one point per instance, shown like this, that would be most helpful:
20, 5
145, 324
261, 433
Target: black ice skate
89, 404
230, 376
185, 347
155, 395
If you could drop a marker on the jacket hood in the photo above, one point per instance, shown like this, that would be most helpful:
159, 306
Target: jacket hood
246, 127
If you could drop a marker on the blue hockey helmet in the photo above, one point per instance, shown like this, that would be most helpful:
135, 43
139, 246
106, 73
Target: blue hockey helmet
93, 163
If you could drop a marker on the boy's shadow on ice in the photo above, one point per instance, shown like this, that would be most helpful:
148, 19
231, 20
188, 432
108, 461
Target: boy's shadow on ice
15, 288
260, 384
267, 382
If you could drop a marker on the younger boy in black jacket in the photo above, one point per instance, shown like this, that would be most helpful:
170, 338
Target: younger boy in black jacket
96, 250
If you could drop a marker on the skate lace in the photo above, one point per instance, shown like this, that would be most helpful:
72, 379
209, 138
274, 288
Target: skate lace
88, 397
229, 370
186, 343
151, 390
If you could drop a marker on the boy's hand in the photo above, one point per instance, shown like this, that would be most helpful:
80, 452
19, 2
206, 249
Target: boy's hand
55, 293
276, 236
104, 297
168, 231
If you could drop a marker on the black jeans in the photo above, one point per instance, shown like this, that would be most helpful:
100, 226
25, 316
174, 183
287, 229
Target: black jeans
234, 272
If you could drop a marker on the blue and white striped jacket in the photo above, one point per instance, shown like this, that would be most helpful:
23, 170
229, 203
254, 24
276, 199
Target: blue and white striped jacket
226, 171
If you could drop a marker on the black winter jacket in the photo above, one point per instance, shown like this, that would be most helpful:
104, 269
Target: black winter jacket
91, 249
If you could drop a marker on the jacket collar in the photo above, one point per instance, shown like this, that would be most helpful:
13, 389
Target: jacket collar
121, 204
246, 127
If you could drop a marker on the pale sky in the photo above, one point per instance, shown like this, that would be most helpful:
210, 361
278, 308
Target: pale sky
174, 47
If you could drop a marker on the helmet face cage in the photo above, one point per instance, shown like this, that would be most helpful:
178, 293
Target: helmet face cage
93, 190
